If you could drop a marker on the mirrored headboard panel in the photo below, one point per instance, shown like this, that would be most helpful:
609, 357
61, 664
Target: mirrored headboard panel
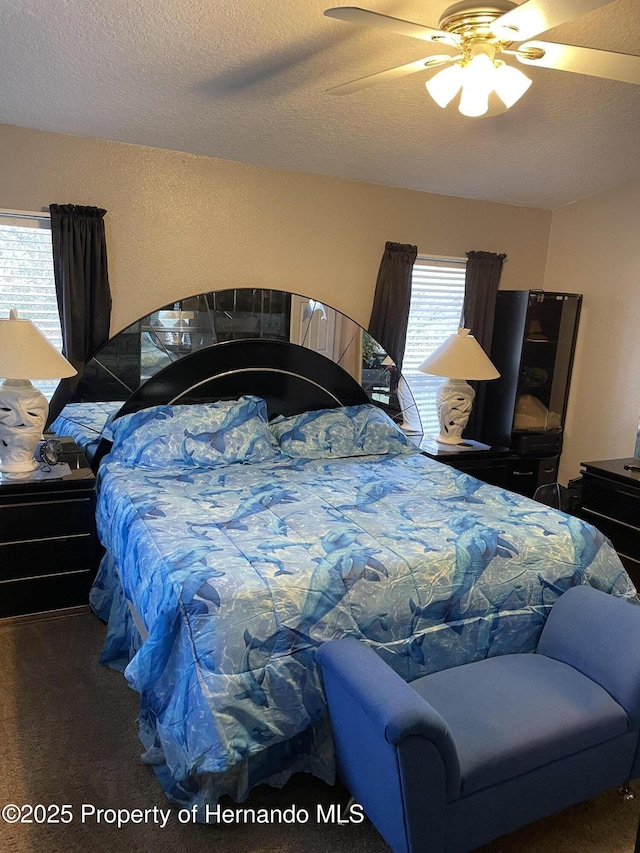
179, 329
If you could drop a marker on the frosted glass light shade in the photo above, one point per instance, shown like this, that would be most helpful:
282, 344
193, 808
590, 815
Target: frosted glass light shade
480, 73
474, 101
510, 84
445, 85
25, 353
479, 80
460, 357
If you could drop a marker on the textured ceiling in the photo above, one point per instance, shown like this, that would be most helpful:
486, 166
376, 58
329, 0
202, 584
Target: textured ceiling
245, 80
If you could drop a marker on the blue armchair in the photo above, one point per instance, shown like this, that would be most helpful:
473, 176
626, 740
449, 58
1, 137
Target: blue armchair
459, 757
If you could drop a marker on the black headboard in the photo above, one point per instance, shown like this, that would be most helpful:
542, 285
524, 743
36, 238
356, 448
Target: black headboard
291, 378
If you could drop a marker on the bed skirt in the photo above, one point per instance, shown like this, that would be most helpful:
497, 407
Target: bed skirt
311, 751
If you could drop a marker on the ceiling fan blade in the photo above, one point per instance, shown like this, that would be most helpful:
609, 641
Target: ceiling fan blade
390, 74
582, 60
537, 16
355, 15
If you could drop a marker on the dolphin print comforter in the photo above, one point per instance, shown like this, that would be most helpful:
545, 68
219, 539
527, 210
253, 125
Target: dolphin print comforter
235, 575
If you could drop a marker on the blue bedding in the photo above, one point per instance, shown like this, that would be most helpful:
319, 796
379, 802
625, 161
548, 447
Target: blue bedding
236, 574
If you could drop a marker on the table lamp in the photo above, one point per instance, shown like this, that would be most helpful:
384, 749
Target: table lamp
25, 354
458, 358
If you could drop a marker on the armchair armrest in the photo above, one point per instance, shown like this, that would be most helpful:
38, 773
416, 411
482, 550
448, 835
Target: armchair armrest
356, 677
599, 635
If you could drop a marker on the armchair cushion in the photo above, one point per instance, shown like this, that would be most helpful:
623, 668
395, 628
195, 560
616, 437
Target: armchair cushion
513, 713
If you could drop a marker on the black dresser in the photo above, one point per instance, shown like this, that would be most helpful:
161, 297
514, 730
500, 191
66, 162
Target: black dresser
48, 548
611, 502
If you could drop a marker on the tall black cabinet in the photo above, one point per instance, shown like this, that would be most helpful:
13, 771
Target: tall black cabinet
534, 340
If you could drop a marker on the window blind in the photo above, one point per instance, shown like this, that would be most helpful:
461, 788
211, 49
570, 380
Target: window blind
437, 295
26, 276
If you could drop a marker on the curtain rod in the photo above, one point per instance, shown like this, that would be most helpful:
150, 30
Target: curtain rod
440, 258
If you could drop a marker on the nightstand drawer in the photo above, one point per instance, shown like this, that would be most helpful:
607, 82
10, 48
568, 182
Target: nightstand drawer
633, 569
46, 556
489, 464
624, 538
37, 595
21, 522
528, 474
611, 499
496, 474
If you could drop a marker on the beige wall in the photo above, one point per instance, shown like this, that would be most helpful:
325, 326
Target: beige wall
178, 224
595, 250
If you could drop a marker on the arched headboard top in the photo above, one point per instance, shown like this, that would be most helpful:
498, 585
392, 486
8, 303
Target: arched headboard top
297, 353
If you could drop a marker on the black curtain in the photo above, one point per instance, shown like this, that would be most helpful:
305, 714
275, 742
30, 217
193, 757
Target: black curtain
392, 299
82, 288
481, 288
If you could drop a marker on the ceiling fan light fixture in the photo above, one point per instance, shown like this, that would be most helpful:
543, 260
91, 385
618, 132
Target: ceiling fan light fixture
489, 28
478, 78
510, 84
445, 85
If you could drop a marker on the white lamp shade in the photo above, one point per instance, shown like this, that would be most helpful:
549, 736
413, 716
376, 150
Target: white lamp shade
25, 353
460, 357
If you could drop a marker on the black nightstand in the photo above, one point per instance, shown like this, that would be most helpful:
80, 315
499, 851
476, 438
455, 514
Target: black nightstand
48, 548
489, 464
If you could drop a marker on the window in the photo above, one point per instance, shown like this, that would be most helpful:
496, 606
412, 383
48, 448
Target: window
437, 295
26, 276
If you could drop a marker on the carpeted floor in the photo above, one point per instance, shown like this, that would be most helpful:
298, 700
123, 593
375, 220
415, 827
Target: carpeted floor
70, 737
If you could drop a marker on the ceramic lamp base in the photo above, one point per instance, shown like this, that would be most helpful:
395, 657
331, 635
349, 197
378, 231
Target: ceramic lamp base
455, 401
23, 415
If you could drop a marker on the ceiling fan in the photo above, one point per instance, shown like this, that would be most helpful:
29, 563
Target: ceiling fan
473, 36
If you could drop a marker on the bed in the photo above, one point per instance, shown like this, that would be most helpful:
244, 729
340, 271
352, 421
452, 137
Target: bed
253, 504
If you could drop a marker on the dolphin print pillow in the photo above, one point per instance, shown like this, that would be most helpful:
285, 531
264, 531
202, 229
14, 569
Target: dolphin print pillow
203, 435
363, 430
